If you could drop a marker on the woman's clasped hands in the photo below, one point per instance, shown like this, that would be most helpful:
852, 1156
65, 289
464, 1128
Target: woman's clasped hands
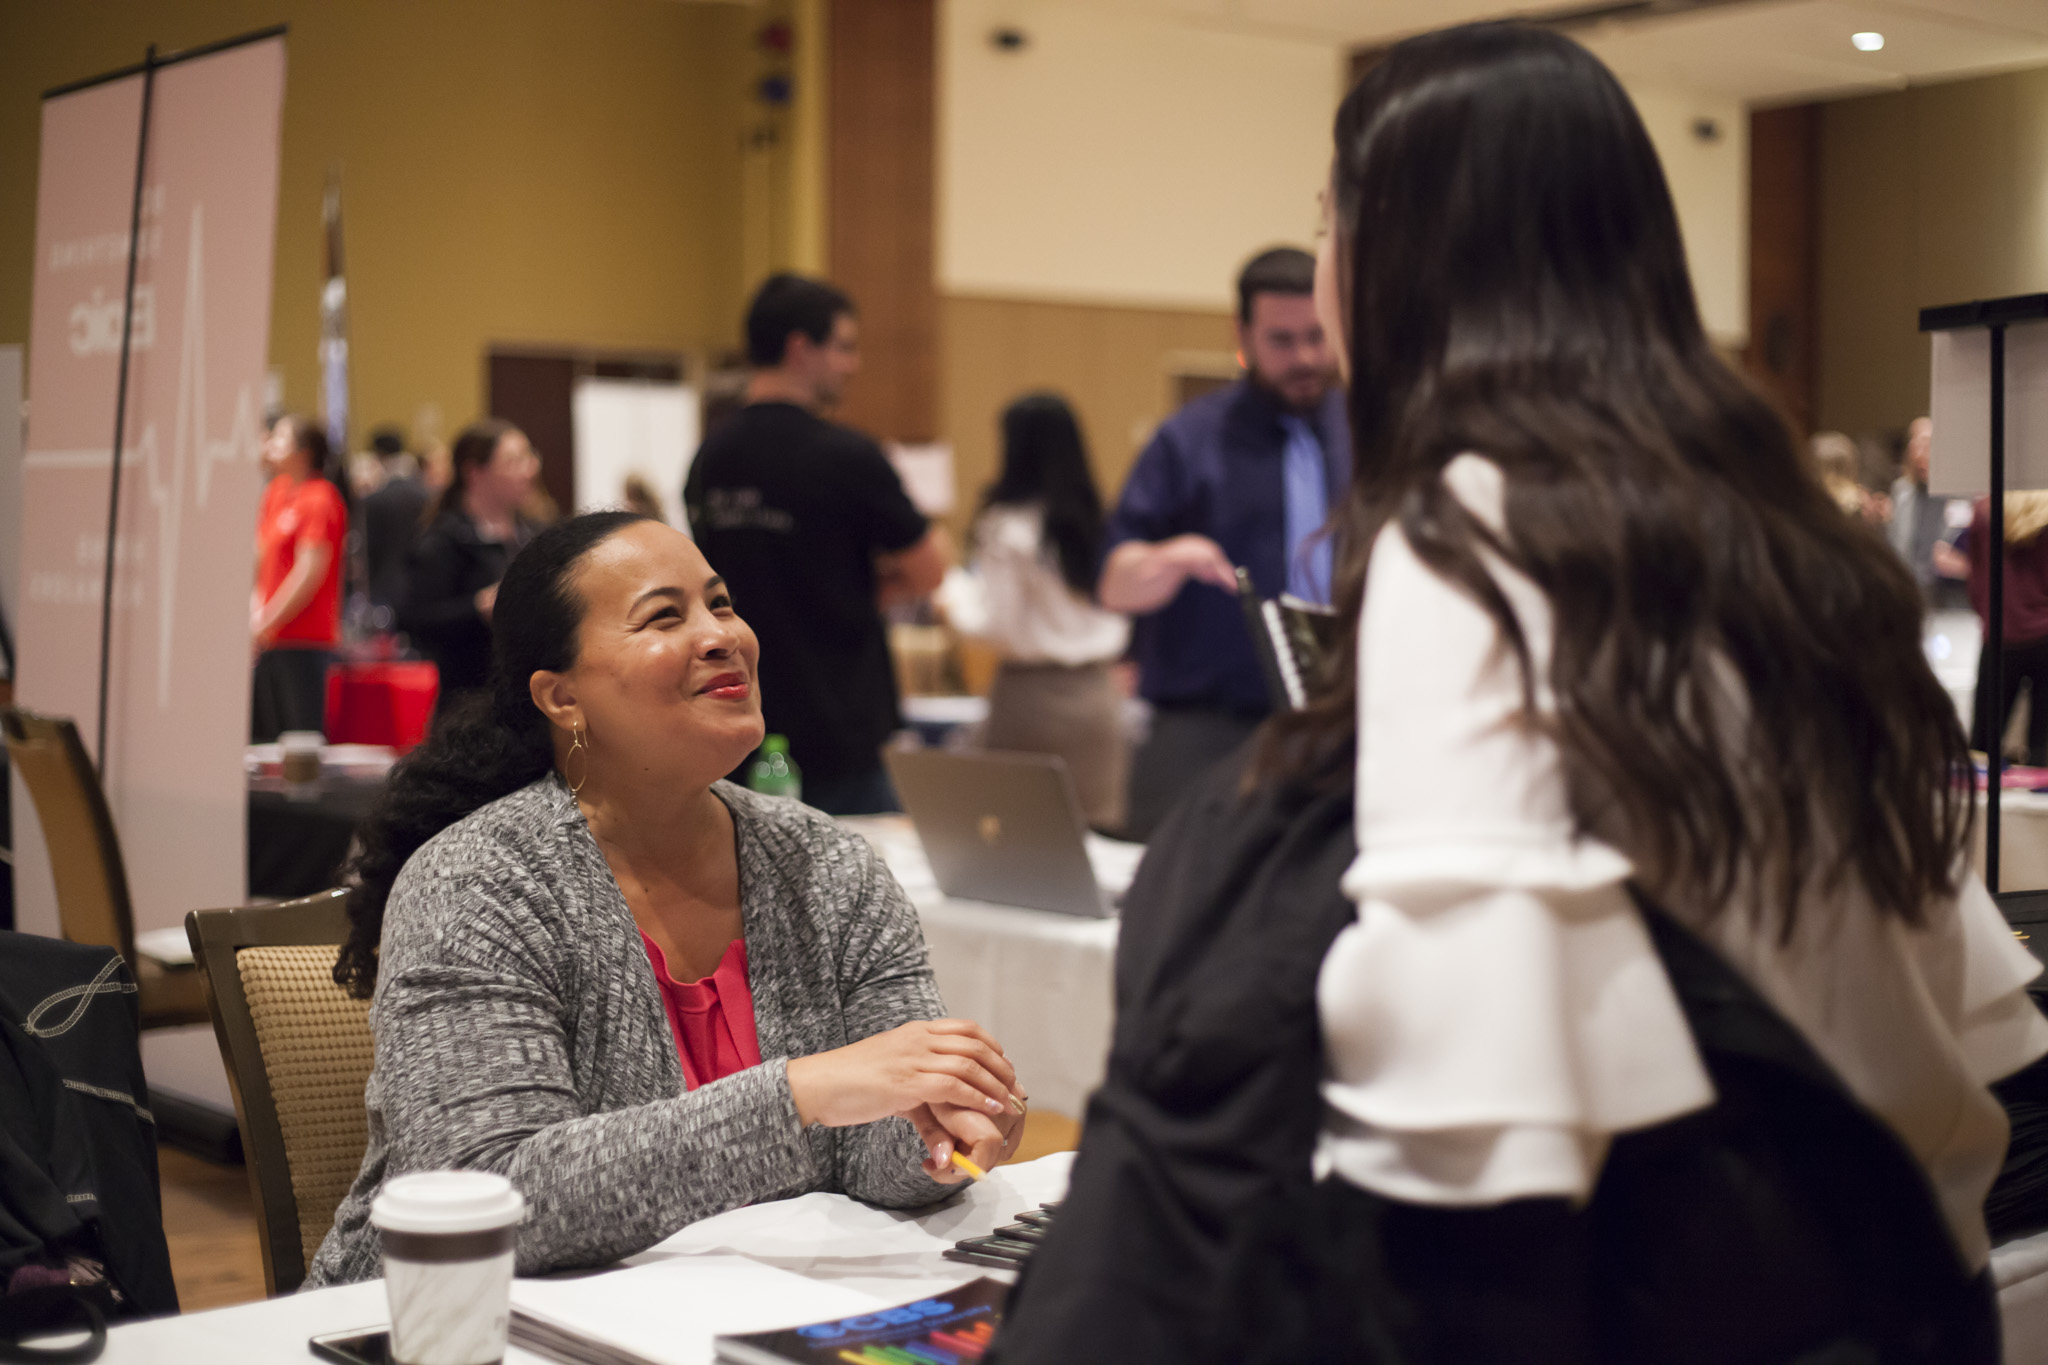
947, 1076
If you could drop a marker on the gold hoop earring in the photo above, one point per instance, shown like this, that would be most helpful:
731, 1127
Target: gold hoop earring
576, 745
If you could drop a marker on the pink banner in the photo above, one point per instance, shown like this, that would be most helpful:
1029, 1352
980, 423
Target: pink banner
178, 712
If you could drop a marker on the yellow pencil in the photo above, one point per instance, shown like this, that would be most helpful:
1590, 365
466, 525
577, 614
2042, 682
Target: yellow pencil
964, 1164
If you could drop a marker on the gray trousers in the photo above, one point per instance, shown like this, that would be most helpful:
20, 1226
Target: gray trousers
1185, 742
1074, 712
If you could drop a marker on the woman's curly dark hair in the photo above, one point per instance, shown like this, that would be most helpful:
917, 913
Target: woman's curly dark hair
483, 747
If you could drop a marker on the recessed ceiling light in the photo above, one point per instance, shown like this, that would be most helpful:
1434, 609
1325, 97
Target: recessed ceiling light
1867, 42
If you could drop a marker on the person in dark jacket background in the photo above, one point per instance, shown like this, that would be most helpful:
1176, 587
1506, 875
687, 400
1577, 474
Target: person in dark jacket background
455, 565
391, 517
2026, 620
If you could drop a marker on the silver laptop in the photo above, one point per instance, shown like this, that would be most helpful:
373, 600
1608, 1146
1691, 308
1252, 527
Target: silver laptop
1001, 827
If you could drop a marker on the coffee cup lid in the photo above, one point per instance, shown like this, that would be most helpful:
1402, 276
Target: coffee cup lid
447, 1201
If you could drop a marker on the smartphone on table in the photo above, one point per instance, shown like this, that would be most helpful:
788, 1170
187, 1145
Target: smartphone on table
356, 1346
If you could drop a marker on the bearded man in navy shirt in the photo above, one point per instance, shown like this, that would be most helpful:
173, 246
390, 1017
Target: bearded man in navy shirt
1245, 476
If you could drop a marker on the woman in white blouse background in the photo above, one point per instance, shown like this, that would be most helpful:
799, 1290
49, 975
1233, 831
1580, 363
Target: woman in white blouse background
1609, 626
1037, 547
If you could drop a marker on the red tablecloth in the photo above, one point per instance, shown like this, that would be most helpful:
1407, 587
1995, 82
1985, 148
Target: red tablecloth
381, 703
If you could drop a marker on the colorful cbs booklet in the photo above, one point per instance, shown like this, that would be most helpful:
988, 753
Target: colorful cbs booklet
950, 1329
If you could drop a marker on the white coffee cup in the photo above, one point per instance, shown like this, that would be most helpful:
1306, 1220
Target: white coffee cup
448, 1264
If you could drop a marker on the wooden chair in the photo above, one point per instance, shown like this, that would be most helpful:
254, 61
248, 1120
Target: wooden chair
298, 1052
85, 858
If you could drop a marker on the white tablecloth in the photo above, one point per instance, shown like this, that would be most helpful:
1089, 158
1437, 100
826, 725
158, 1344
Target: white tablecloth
893, 1257
2022, 841
1040, 982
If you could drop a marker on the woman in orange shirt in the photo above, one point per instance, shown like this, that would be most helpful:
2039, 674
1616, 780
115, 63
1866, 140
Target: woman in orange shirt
295, 612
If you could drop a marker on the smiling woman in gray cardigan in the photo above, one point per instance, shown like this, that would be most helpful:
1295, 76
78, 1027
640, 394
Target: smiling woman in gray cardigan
519, 1024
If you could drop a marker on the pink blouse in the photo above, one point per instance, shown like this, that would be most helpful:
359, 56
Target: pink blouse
712, 1019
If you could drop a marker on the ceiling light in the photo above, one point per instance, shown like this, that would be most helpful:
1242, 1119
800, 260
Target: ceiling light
1867, 42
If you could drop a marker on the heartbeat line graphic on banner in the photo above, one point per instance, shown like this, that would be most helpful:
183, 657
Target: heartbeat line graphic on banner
193, 451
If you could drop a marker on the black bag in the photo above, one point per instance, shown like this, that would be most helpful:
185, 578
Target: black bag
1783, 1224
2018, 1202
81, 1214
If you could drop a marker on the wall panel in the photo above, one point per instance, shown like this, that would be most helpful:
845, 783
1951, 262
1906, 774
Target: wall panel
1784, 243
880, 135
1114, 364
1931, 195
1120, 157
1703, 143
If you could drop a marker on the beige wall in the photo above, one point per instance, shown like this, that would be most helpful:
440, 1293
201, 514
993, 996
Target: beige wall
543, 171
1122, 157
1928, 196
1113, 364
1709, 181
1099, 189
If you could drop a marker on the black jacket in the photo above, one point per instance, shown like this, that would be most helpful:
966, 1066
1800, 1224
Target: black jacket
78, 1175
390, 518
1783, 1224
447, 567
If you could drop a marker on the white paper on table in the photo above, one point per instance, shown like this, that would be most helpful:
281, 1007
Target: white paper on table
669, 1310
963, 709
831, 1227
375, 757
357, 756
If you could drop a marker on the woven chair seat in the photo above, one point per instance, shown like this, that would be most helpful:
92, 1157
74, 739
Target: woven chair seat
317, 1051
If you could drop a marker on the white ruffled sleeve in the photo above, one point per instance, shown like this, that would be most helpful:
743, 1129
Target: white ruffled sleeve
1497, 1012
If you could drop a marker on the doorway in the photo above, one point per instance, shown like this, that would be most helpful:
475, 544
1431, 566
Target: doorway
534, 388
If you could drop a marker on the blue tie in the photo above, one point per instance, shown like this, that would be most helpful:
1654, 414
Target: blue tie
1308, 507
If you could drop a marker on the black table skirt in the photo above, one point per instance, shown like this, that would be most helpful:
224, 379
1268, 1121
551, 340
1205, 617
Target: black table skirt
299, 838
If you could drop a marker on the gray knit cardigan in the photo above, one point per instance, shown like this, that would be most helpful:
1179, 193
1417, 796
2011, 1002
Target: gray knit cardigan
519, 1029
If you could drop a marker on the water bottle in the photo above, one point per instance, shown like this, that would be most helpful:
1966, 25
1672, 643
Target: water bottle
774, 772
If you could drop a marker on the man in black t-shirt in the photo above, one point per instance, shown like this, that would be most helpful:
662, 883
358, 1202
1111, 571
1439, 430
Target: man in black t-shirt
809, 524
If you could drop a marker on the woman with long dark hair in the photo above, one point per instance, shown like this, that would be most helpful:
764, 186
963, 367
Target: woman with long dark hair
1037, 547
452, 570
642, 993
295, 612
1609, 630
1591, 973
